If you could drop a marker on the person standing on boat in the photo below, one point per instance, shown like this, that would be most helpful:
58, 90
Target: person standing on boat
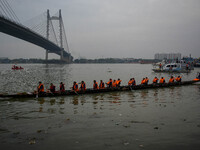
160, 66
52, 88
109, 83
75, 87
101, 85
62, 87
171, 80
95, 85
155, 80
118, 82
162, 80
178, 79
40, 88
83, 86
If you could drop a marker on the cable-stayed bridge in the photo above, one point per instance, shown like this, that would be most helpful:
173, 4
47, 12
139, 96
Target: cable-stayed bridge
39, 31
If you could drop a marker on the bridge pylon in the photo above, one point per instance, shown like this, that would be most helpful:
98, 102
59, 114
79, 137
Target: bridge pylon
67, 58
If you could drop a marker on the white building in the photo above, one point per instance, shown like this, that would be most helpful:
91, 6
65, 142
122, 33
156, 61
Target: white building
171, 56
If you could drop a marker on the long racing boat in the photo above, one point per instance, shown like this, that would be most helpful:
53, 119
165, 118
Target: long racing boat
105, 90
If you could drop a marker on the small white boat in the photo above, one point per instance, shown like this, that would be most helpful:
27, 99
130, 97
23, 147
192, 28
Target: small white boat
172, 67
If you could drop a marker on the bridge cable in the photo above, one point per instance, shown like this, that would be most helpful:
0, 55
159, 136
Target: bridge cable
8, 11
5, 13
15, 16
65, 36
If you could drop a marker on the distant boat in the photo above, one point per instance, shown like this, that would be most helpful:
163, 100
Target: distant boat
173, 67
17, 68
197, 64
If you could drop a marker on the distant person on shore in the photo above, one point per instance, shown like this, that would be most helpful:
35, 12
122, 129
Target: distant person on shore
62, 87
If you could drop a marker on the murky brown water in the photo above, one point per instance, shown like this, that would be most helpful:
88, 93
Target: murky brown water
167, 118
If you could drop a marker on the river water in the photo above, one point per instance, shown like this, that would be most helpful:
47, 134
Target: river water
163, 119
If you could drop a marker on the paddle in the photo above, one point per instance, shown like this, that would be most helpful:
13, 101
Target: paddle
74, 91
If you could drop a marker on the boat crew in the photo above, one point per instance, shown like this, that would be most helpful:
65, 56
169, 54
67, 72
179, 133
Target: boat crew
75, 87
146, 80
162, 80
114, 84
133, 82
40, 88
118, 82
101, 85
155, 80
197, 77
62, 87
83, 86
52, 88
143, 82
95, 85
130, 82
178, 79
109, 83
171, 80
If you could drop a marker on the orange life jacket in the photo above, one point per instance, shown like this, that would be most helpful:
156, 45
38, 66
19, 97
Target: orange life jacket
118, 82
130, 82
95, 86
83, 87
41, 88
196, 79
171, 80
114, 84
162, 80
75, 87
109, 83
101, 85
155, 80
178, 79
143, 81
146, 80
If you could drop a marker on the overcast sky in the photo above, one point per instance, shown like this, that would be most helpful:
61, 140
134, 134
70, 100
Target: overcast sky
114, 28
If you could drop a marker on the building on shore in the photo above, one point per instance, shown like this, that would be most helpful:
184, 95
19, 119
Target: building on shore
167, 56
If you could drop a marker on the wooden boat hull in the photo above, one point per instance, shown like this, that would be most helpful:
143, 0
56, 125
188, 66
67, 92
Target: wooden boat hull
91, 91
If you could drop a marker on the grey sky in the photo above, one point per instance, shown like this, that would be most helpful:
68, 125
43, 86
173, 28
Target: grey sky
114, 28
